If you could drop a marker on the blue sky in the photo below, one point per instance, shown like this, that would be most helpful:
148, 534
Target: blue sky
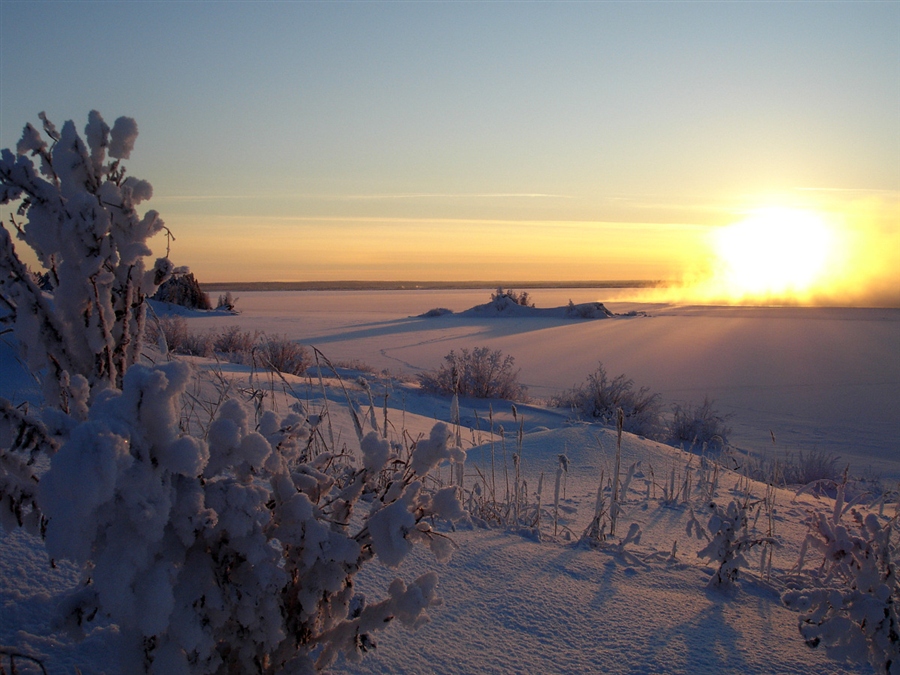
378, 138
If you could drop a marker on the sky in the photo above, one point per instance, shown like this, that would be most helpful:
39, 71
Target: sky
291, 141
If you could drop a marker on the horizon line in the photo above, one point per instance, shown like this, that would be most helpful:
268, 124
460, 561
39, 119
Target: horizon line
412, 285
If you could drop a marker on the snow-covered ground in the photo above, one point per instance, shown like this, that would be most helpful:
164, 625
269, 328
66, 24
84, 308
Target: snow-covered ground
816, 378
826, 379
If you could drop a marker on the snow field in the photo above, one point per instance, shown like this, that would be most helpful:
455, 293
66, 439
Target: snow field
511, 603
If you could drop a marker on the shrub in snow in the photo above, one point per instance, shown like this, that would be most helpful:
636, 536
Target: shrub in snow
851, 608
501, 298
587, 310
816, 469
699, 426
480, 373
83, 225
729, 539
436, 312
23, 439
235, 553
599, 397
227, 302
183, 289
81, 222
284, 355
179, 339
233, 340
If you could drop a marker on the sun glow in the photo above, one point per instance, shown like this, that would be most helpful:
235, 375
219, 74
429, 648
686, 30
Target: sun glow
774, 253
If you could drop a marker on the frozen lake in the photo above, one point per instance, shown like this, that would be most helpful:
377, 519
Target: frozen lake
815, 378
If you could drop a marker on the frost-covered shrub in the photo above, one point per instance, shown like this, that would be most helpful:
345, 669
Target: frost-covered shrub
23, 439
480, 373
79, 325
284, 355
729, 539
235, 553
183, 289
82, 223
699, 425
852, 606
233, 340
599, 398
803, 468
180, 339
227, 302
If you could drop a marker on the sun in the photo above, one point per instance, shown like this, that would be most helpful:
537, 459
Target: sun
774, 253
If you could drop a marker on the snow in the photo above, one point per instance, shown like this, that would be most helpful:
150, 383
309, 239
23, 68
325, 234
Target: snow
816, 378
812, 377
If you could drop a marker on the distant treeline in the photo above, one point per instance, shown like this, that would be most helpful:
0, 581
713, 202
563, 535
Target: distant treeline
416, 285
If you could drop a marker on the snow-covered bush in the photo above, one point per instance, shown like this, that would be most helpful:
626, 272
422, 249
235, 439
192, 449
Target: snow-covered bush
235, 553
79, 325
183, 289
480, 373
729, 539
179, 338
699, 425
600, 397
227, 302
23, 439
82, 223
587, 310
501, 297
852, 605
284, 355
230, 551
233, 340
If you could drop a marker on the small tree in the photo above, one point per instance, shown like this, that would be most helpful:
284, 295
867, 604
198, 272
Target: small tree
500, 297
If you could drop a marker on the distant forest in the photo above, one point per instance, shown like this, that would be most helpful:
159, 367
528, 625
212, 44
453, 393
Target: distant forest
415, 285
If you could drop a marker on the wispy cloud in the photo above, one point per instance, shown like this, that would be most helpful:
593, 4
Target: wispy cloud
458, 195
367, 197
853, 190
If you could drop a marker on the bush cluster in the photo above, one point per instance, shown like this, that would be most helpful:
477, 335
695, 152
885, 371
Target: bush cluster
275, 352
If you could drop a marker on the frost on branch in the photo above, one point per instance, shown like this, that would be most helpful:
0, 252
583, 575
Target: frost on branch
235, 553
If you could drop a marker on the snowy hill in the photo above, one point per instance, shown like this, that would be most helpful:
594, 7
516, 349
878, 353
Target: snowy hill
534, 599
